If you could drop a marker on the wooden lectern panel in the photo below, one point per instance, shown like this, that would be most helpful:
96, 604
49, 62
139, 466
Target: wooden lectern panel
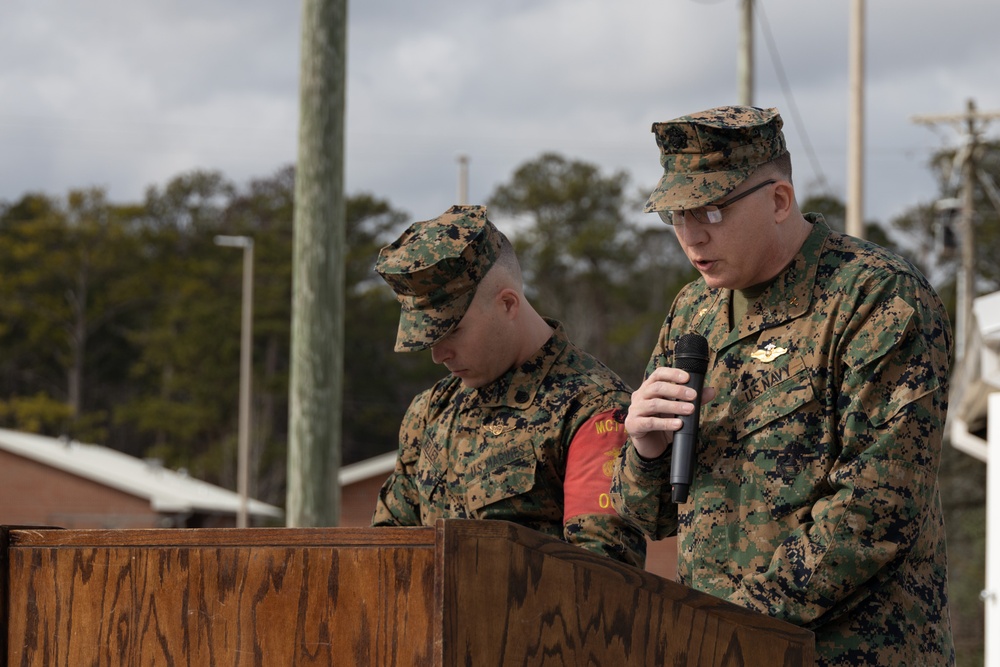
222, 597
555, 604
464, 593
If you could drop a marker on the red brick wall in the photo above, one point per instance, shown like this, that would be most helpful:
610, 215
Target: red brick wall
36, 494
357, 501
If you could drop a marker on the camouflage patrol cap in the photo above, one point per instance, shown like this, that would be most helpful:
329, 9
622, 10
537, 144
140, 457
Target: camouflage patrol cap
707, 154
434, 269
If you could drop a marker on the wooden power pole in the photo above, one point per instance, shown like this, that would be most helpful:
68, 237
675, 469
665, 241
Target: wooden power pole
317, 355
970, 124
744, 60
854, 218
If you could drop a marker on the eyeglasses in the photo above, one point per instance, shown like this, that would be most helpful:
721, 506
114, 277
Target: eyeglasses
708, 215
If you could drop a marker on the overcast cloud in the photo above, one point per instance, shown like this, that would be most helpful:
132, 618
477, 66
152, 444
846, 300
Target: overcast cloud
128, 95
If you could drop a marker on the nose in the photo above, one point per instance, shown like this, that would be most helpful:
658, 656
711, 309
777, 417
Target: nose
440, 353
692, 232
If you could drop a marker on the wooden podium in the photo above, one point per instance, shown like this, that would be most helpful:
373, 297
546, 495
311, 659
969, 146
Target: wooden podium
462, 593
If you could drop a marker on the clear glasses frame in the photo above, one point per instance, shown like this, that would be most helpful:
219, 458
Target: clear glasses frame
708, 215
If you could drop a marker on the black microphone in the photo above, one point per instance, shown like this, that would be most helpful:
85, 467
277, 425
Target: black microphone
691, 355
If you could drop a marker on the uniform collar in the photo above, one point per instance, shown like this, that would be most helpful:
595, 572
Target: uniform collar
789, 296
517, 387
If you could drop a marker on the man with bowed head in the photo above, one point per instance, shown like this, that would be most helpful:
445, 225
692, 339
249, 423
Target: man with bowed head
526, 426
814, 494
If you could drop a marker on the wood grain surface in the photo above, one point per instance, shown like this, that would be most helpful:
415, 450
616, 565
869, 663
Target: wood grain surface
176, 597
462, 593
558, 605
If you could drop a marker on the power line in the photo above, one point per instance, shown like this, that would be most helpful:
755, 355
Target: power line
789, 98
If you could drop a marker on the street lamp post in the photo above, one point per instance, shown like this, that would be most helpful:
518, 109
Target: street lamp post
243, 447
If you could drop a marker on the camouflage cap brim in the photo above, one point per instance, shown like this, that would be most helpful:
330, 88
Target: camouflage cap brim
420, 328
679, 192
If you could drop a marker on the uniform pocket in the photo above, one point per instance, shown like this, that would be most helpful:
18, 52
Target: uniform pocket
505, 474
784, 465
776, 403
435, 501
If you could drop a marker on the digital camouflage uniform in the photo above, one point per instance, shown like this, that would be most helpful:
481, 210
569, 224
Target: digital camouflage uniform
536, 446
815, 497
509, 450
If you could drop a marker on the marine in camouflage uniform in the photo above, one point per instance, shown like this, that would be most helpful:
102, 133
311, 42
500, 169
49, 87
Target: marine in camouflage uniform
534, 444
814, 497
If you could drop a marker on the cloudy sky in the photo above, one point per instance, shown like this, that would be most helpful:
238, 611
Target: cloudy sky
128, 95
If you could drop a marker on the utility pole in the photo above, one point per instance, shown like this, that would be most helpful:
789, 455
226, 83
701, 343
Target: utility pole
971, 125
744, 62
855, 222
463, 179
317, 355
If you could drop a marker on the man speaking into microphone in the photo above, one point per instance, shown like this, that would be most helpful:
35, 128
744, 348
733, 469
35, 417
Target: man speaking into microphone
808, 487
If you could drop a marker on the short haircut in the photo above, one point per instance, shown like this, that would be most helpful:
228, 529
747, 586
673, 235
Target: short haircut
505, 272
780, 166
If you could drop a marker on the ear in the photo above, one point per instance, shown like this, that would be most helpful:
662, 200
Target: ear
784, 201
510, 301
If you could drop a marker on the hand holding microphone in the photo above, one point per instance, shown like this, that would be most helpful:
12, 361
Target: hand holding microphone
658, 415
690, 355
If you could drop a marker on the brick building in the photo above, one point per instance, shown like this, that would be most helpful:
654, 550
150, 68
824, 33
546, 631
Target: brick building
61, 482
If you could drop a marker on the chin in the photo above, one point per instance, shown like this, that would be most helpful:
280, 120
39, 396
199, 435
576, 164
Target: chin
714, 282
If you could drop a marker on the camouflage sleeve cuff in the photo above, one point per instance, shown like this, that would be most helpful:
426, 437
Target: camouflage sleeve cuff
640, 493
647, 471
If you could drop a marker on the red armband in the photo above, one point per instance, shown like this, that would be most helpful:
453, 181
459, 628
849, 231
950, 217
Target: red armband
589, 465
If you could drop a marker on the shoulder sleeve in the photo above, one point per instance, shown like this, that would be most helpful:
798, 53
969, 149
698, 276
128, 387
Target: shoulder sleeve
589, 520
589, 464
398, 502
